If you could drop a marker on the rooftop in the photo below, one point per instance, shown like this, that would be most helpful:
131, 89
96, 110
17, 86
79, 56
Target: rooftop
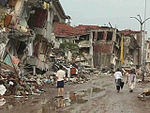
129, 32
64, 30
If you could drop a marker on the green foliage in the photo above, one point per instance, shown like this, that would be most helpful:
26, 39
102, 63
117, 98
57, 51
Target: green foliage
68, 46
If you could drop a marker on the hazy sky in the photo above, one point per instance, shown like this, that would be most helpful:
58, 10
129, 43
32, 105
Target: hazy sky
101, 12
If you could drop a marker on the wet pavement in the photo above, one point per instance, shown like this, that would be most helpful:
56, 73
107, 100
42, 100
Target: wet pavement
96, 96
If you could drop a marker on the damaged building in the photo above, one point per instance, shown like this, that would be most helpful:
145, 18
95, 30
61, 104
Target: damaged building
63, 33
80, 35
132, 48
101, 47
25, 31
25, 43
113, 48
85, 42
106, 47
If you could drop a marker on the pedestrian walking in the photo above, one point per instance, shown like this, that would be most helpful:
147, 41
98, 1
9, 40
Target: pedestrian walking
60, 76
118, 79
131, 80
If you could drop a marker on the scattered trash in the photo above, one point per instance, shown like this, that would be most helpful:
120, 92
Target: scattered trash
2, 89
2, 101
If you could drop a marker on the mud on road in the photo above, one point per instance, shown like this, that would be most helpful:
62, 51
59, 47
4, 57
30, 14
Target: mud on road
96, 96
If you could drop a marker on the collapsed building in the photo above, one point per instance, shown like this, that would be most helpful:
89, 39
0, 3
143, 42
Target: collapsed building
106, 47
30, 28
85, 42
132, 48
80, 35
25, 43
25, 31
102, 47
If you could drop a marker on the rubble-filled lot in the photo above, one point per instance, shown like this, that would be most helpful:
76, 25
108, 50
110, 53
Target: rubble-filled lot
97, 95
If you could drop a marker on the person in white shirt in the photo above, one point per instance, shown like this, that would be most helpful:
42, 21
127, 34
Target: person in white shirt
118, 79
60, 81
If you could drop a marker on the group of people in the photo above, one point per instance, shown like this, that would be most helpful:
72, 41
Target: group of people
130, 79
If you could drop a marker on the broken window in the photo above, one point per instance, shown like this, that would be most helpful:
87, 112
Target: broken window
85, 37
109, 36
148, 56
100, 36
84, 50
21, 49
56, 19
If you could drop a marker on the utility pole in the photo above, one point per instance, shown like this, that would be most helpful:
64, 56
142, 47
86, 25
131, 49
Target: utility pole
142, 22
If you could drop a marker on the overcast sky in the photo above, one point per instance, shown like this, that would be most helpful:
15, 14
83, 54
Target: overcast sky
101, 12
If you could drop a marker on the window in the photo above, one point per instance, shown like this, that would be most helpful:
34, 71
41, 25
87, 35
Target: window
148, 56
109, 36
94, 36
100, 35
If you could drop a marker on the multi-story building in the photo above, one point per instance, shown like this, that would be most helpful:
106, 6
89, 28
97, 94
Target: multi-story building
106, 47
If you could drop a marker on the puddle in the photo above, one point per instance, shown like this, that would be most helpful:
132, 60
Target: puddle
97, 90
74, 98
80, 97
48, 108
91, 92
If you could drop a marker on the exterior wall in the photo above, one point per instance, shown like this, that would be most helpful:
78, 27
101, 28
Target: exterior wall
148, 55
85, 43
148, 51
131, 53
103, 47
104, 55
101, 60
47, 30
61, 20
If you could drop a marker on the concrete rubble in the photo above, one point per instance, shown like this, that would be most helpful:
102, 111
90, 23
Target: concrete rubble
28, 59
29, 84
31, 50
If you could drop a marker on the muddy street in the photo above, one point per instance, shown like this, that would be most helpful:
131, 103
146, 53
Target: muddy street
58, 56
96, 96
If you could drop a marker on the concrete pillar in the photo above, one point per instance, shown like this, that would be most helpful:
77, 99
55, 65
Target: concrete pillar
91, 48
34, 70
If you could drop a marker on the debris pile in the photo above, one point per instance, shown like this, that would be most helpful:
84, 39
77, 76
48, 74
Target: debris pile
23, 85
145, 95
75, 72
28, 59
23, 50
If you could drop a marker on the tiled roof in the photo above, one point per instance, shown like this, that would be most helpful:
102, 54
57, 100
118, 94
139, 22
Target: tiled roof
128, 32
84, 29
64, 30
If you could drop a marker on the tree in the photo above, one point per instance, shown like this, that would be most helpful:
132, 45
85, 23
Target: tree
68, 46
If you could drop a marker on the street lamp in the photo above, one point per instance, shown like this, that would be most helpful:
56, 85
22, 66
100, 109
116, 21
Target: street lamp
139, 19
